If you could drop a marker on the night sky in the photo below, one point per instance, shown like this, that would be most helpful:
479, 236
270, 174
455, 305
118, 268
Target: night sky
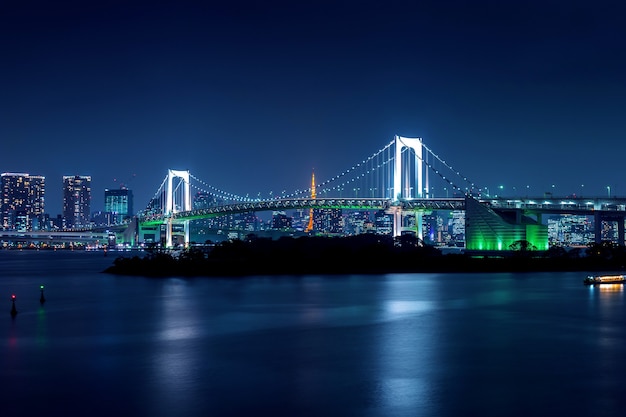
252, 96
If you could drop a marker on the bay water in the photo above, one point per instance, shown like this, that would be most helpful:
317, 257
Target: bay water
464, 344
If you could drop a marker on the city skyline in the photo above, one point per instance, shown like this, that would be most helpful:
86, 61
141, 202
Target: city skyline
252, 98
23, 197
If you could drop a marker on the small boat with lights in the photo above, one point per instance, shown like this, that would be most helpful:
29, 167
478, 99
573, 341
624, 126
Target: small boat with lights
604, 279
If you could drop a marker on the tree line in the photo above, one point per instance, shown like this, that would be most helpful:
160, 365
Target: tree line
360, 254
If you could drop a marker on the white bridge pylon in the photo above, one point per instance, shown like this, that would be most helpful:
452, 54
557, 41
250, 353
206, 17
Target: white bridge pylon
403, 179
397, 171
177, 199
401, 190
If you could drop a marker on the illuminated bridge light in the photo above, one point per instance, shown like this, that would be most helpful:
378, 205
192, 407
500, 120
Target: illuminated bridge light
369, 169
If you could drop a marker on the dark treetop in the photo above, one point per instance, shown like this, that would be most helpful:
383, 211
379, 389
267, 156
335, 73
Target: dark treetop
363, 254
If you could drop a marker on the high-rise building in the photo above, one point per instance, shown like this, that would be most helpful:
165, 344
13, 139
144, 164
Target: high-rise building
328, 221
76, 200
22, 201
119, 202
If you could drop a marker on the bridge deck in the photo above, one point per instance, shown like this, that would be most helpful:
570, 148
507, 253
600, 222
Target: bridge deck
530, 205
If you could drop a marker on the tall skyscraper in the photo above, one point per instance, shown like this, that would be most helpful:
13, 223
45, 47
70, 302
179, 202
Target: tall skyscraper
76, 200
119, 203
22, 201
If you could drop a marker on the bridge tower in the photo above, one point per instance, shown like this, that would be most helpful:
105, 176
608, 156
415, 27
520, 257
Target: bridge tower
409, 180
177, 199
405, 181
310, 226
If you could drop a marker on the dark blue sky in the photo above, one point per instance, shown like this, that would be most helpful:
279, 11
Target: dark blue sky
251, 96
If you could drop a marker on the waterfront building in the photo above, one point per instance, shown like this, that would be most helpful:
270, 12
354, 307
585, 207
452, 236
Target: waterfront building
327, 221
383, 223
299, 220
410, 223
444, 228
432, 228
248, 222
488, 230
22, 205
571, 230
354, 222
609, 231
118, 202
76, 200
456, 227
280, 220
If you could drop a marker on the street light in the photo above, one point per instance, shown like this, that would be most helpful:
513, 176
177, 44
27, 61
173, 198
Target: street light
608, 189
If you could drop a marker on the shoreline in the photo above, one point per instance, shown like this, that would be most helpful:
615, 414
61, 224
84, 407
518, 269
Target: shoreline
362, 254
165, 265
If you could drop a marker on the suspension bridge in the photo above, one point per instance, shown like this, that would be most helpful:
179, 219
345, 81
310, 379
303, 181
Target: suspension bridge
404, 177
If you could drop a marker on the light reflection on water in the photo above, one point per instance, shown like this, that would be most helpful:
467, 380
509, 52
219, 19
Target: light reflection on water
386, 345
407, 348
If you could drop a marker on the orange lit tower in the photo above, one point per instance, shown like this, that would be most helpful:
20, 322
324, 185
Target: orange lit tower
309, 227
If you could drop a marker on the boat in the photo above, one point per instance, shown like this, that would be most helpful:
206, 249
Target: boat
604, 279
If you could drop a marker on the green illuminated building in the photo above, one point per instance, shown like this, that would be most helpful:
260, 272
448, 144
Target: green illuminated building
119, 203
486, 230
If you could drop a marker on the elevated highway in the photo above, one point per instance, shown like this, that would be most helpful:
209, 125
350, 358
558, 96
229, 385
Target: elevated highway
529, 205
54, 237
600, 208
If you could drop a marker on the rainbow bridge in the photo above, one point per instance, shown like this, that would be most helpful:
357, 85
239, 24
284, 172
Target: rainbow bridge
405, 177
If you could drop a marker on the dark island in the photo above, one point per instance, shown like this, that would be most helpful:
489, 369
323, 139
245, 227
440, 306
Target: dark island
362, 254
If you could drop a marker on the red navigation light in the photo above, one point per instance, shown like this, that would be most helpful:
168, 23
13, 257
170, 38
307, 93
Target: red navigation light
12, 296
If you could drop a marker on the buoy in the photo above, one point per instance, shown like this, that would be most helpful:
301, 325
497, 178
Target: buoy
13, 309
42, 299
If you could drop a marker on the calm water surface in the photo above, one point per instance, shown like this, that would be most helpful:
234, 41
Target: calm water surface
386, 345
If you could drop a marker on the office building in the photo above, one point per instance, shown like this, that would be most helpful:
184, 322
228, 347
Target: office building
22, 201
328, 221
76, 201
354, 222
281, 221
383, 223
119, 203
